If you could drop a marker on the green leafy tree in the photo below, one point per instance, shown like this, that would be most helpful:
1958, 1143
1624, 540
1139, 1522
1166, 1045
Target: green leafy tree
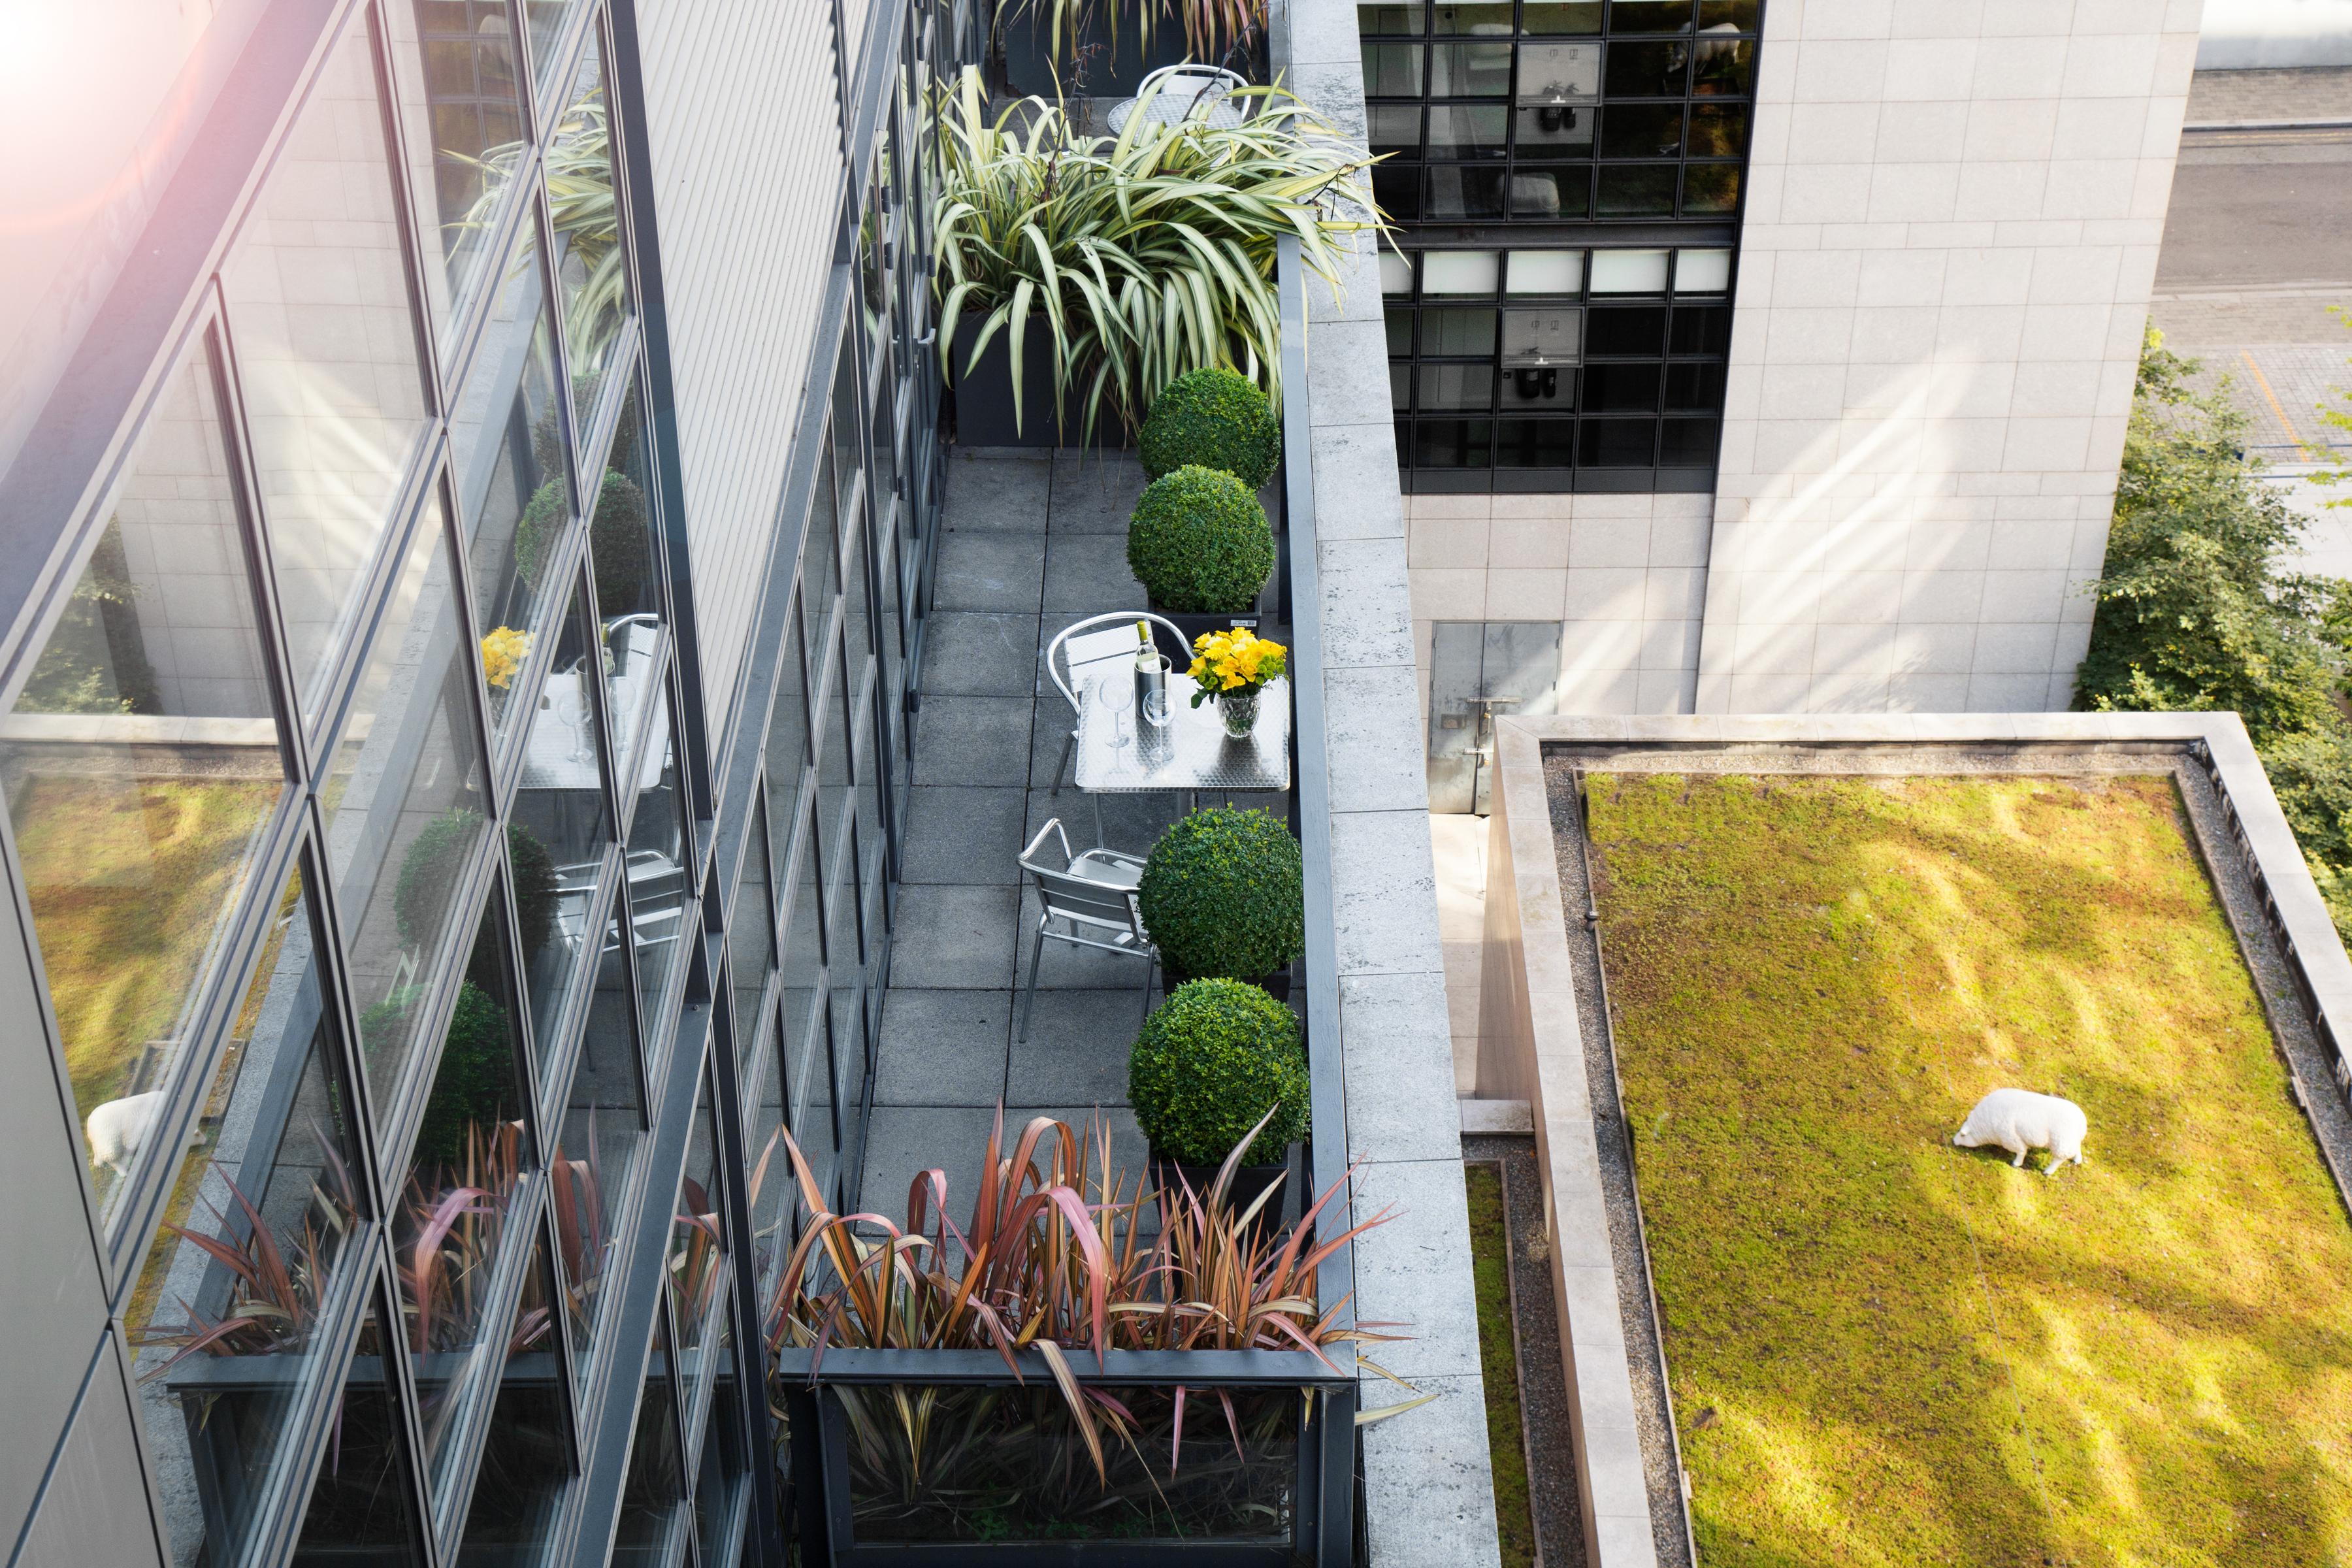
2195, 613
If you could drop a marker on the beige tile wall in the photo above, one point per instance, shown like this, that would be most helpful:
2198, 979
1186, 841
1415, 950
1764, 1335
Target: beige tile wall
1625, 574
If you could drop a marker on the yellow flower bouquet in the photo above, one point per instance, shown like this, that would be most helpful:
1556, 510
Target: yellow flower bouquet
1231, 668
503, 652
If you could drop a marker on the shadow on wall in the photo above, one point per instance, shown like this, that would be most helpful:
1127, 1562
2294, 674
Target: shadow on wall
2239, 35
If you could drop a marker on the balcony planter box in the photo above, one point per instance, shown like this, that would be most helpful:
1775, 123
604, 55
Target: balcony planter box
1027, 1493
982, 399
1249, 1181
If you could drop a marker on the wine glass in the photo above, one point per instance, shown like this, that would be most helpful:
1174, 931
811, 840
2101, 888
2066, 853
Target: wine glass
1116, 694
578, 712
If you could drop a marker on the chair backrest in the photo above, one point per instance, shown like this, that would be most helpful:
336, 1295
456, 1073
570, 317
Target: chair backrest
1193, 85
1095, 640
1074, 895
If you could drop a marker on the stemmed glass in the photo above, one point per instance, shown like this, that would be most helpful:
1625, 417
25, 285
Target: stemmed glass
1117, 693
578, 712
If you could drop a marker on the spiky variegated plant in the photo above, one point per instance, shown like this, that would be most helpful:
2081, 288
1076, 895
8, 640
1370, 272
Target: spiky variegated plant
1143, 256
1211, 27
581, 207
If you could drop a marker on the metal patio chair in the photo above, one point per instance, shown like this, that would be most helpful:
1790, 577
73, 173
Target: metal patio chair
1093, 895
1080, 655
1186, 91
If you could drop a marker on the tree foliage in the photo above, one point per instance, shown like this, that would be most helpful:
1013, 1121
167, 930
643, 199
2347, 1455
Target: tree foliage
2196, 614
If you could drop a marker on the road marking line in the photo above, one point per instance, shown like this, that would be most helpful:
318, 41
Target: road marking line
2271, 398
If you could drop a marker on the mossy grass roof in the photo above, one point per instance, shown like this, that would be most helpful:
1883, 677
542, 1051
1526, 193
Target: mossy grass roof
1888, 1351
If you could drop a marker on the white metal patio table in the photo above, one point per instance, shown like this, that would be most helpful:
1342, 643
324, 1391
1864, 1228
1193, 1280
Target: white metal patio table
1191, 752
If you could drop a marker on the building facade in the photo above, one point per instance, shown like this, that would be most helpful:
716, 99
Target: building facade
1757, 358
469, 493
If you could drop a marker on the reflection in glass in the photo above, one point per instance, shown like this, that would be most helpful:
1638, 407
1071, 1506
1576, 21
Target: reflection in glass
1448, 329
327, 355
1635, 189
844, 970
469, 1163
454, 62
1719, 130
1556, 18
787, 743
1643, 130
527, 1458
1457, 386
359, 1509
604, 1123
718, 1485
625, 560
402, 803
1724, 70
589, 267
1394, 127
1711, 188
1701, 330
807, 1067
1649, 15
222, 1318
514, 487
1465, 130
752, 943
141, 763
656, 1482
1562, 192
697, 1236
658, 877
769, 1184
1393, 70
556, 839
544, 19
1483, 18
1647, 70
1469, 70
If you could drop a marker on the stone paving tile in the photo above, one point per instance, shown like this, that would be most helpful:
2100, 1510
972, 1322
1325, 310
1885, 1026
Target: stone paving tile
1087, 573
942, 1048
958, 937
1077, 1045
999, 571
963, 834
1095, 495
974, 655
973, 740
998, 494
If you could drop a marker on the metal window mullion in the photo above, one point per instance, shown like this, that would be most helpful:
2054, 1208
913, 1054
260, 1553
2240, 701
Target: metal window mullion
564, 561
568, 1033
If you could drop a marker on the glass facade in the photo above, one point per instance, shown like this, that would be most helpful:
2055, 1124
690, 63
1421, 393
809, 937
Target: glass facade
432, 1078
1566, 175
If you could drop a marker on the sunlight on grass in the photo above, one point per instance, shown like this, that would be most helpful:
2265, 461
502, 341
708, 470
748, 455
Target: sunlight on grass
1914, 1352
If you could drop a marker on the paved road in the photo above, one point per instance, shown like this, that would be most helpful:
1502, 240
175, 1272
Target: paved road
2264, 209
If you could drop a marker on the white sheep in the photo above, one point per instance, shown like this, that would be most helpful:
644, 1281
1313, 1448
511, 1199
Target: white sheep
118, 1127
2018, 1120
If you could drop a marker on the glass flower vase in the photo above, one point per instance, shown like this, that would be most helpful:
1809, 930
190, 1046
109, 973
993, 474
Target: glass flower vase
1239, 710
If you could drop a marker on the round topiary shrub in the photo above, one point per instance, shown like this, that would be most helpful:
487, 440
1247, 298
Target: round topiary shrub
535, 535
1216, 418
1223, 894
532, 865
428, 872
1211, 1060
1199, 542
474, 1085
618, 544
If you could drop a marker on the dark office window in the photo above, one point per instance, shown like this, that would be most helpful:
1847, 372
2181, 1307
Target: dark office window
1565, 119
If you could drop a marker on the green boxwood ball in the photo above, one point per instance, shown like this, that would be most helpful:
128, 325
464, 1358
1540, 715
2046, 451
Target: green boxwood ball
1199, 542
1223, 893
474, 1086
1211, 1060
1216, 418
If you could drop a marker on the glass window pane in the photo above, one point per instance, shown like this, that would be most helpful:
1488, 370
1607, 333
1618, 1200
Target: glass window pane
1689, 444
1458, 272
1719, 130
1396, 273
653, 1489
718, 1485
141, 763
527, 1458
752, 943
657, 882
1542, 336
1625, 330
454, 65
1646, 70
844, 970
698, 1237
545, 20
1724, 68
1556, 18
1565, 192
1400, 388
1397, 192
514, 486
1467, 131
1702, 329
1546, 272
1469, 70
1535, 443
1393, 70
833, 766
447, 1228
1695, 388
604, 1123
556, 838
1642, 130
1711, 188
625, 558
1454, 386
1451, 444
269, 1185
1616, 443
1701, 271
787, 747
1484, 18
1459, 191
1447, 330
888, 631
1635, 189
402, 802
769, 1185
1557, 85
1391, 17
1732, 15
1629, 271
1621, 388
1394, 127
1649, 15
591, 266
359, 1509
326, 355
805, 1064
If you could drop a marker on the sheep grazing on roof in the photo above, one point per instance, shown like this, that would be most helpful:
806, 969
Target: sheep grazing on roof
2018, 1120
